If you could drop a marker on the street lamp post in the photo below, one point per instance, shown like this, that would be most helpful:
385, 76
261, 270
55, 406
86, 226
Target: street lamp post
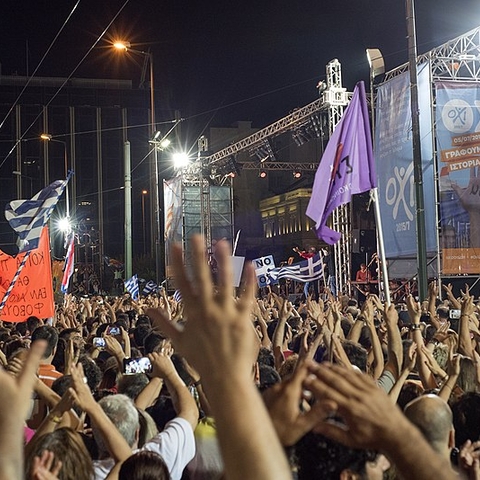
154, 173
20, 175
47, 137
144, 192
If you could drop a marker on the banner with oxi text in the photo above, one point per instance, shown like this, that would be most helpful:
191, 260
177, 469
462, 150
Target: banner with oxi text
33, 291
394, 160
458, 146
263, 266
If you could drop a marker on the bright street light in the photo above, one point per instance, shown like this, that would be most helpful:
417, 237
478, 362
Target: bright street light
120, 45
180, 160
64, 225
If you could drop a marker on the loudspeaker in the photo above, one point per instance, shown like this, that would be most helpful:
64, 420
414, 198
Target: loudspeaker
363, 241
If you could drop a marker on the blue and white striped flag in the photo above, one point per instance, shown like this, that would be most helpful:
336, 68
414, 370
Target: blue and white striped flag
69, 264
131, 286
177, 296
28, 217
306, 271
150, 287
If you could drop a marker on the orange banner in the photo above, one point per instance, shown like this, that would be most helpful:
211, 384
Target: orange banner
460, 261
33, 292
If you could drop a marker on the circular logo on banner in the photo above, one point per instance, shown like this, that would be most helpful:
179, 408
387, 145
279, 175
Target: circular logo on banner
457, 116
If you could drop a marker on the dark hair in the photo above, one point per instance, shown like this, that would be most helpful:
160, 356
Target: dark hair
443, 312
21, 328
132, 385
143, 320
62, 384
356, 354
91, 371
410, 391
144, 465
122, 320
45, 332
320, 457
102, 328
265, 357
268, 377
13, 346
58, 360
139, 334
152, 341
33, 322
67, 332
162, 411
466, 418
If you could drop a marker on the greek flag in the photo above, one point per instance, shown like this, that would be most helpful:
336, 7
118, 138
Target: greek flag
306, 271
28, 217
150, 287
69, 264
131, 286
177, 296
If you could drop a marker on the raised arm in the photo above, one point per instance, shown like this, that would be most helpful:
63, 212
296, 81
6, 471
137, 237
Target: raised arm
279, 335
414, 312
449, 291
114, 441
15, 394
370, 421
464, 340
394, 345
378, 362
183, 403
221, 344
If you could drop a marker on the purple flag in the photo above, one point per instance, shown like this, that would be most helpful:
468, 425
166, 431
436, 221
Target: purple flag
346, 168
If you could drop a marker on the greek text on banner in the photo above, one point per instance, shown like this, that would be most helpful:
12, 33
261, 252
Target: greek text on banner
33, 292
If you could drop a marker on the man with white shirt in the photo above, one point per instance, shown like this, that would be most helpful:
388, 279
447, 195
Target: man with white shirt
175, 444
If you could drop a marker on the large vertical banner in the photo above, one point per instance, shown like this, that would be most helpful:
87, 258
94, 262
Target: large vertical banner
458, 145
172, 195
394, 160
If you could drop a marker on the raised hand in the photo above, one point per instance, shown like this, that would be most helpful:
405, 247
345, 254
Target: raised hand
45, 467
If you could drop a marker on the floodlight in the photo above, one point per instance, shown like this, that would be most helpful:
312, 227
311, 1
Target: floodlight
180, 160
64, 225
376, 62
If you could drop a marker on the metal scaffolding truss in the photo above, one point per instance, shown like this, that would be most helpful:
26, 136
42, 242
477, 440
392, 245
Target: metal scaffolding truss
332, 101
341, 218
283, 125
457, 59
279, 166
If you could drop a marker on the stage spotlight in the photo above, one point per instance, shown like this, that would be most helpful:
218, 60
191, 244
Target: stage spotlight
264, 152
262, 174
297, 174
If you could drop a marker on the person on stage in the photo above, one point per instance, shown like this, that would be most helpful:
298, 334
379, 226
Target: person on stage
309, 253
363, 275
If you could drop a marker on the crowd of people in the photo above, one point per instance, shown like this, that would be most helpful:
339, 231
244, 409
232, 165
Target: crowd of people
226, 384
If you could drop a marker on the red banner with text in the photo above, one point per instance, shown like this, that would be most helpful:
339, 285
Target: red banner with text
33, 292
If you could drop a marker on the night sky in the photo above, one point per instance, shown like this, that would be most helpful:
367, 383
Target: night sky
218, 62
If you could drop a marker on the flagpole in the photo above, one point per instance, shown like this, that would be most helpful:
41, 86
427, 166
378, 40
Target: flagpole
236, 242
376, 207
417, 154
381, 245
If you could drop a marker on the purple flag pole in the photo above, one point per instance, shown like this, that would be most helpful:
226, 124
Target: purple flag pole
346, 168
